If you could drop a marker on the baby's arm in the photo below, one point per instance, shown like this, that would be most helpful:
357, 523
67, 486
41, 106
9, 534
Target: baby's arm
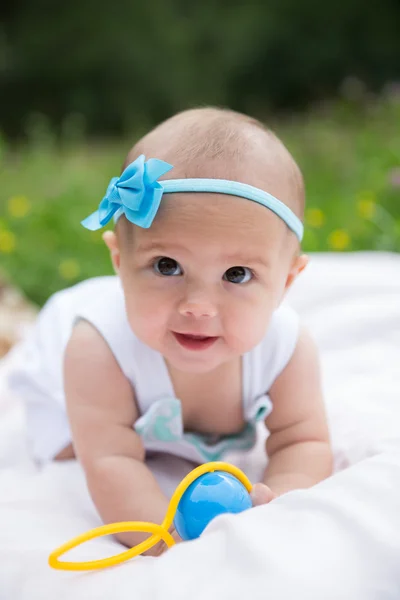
102, 410
298, 446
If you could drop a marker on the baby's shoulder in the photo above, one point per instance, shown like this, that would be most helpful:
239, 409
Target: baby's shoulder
86, 348
97, 322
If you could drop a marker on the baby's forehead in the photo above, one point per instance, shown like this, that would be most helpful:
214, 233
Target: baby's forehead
213, 220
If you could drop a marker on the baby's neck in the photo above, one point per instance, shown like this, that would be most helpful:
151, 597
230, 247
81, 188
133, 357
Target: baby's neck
204, 378
207, 398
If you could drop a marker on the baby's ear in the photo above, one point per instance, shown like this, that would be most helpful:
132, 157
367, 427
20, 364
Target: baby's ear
298, 265
111, 241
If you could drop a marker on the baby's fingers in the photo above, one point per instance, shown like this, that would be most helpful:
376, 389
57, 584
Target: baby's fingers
261, 494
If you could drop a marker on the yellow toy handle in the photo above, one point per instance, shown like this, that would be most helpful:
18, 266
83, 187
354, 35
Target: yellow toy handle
159, 532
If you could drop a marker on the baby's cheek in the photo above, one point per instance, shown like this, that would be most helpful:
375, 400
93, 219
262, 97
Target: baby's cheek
246, 328
146, 315
254, 328
257, 319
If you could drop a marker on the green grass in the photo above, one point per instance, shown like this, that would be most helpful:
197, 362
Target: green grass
350, 157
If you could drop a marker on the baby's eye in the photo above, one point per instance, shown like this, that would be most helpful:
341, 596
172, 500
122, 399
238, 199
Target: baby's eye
238, 275
167, 267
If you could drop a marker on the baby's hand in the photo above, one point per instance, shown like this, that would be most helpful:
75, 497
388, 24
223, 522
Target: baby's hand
261, 494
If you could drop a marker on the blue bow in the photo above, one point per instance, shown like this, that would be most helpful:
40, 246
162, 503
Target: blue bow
136, 194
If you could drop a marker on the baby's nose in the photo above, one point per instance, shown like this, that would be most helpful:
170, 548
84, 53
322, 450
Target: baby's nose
197, 309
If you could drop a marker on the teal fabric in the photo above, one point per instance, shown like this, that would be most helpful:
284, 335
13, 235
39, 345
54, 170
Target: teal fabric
163, 422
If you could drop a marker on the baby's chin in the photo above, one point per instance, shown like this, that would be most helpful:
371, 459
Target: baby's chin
202, 361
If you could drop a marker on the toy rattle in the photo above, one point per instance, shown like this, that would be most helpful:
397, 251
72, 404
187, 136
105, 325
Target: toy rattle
209, 490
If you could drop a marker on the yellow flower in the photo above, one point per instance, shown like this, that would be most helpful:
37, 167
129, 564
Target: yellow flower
339, 239
366, 208
18, 206
315, 217
7, 241
69, 269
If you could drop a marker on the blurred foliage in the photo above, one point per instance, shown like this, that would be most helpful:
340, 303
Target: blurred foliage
123, 65
349, 153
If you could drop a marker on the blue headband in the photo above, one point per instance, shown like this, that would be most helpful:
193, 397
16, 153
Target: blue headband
137, 195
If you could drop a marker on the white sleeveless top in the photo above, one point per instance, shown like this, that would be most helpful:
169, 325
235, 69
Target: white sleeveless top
100, 301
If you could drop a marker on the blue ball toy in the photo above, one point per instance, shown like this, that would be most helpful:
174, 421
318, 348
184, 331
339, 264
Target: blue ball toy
210, 495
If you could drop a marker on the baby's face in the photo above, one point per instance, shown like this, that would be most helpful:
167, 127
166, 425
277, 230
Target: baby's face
202, 283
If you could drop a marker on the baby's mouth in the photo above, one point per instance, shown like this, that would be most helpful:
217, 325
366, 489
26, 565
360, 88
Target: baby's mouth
192, 341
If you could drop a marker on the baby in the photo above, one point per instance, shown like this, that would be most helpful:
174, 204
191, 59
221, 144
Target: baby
189, 347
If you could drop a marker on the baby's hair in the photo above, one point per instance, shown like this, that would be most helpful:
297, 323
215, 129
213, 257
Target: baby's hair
223, 144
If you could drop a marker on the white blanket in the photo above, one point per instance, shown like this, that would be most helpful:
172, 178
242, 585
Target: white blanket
340, 540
